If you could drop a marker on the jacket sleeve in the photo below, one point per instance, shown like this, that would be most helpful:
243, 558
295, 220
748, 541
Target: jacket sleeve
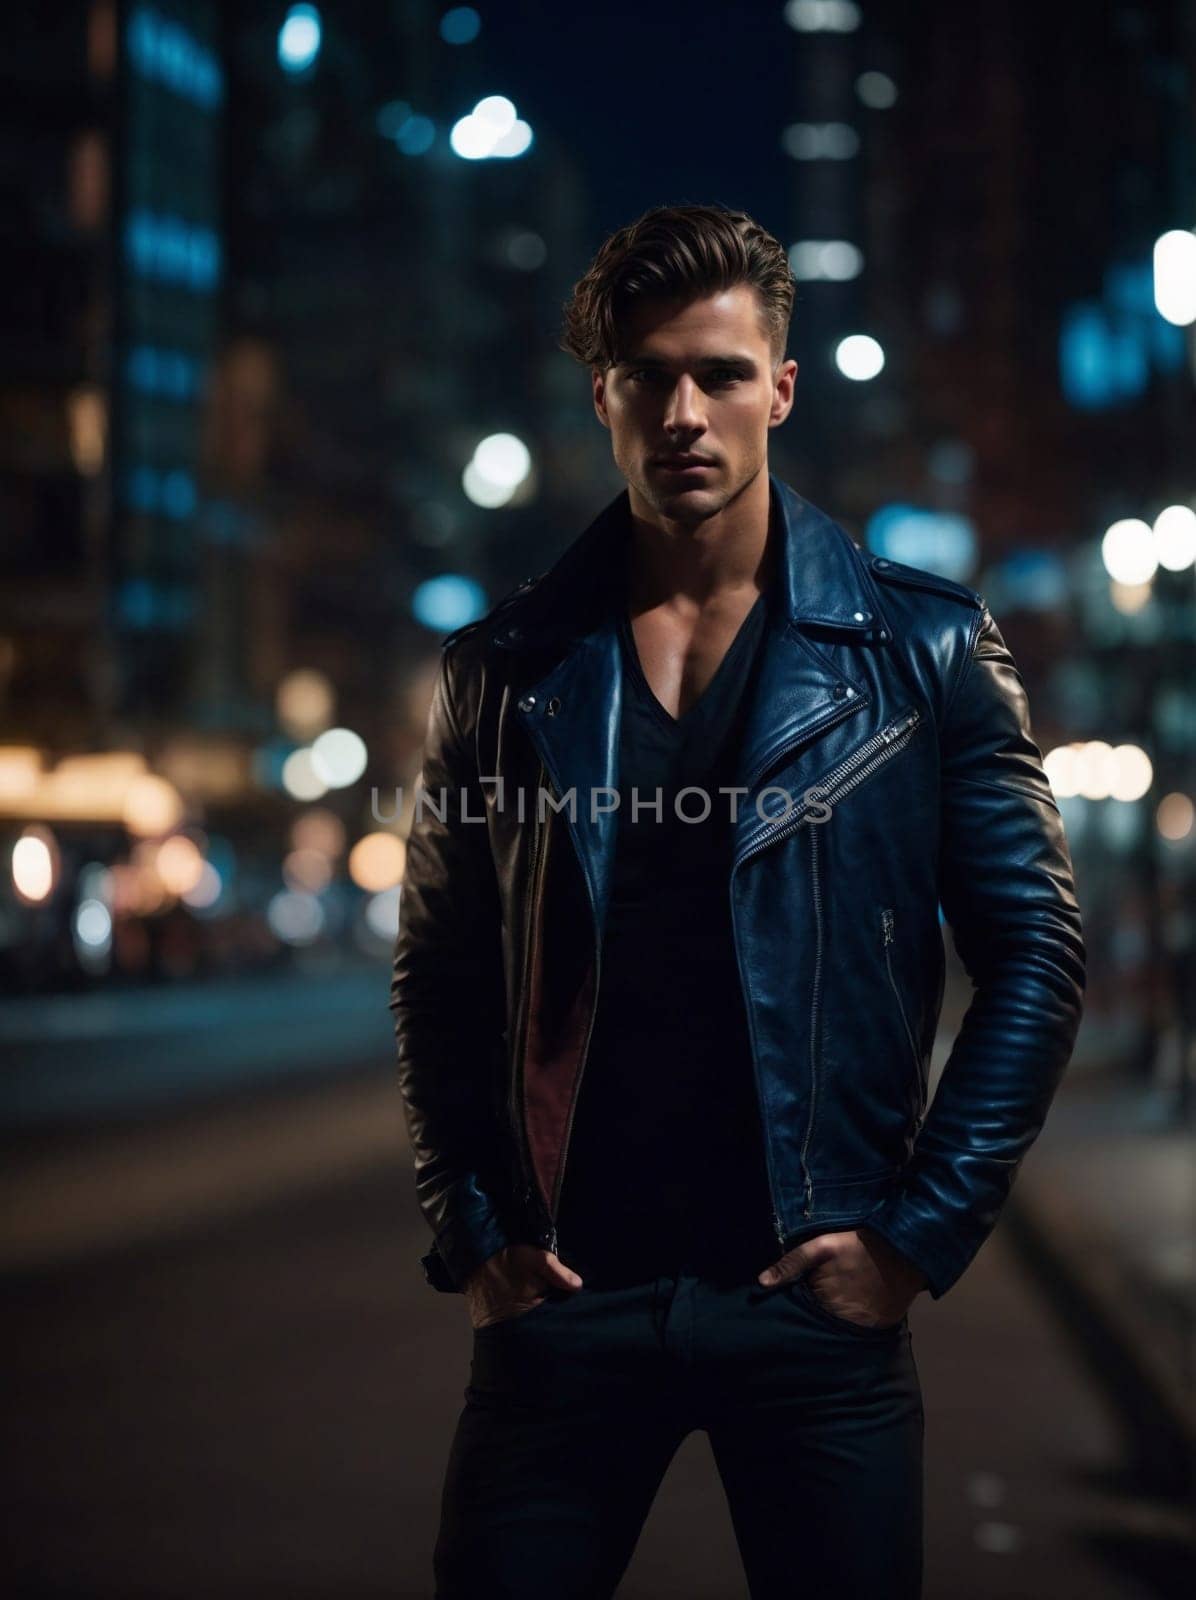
1007, 890
447, 999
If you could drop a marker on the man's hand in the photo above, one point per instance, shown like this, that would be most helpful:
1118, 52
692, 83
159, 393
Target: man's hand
513, 1280
856, 1275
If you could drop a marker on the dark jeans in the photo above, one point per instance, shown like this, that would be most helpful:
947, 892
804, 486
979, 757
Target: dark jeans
575, 1409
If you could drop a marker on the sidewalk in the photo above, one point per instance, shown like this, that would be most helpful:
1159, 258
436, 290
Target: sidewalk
1104, 1211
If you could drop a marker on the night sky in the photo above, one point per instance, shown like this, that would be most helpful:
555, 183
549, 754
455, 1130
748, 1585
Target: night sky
659, 103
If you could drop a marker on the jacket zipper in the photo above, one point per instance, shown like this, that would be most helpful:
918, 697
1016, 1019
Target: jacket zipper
851, 771
777, 1226
531, 903
752, 779
888, 936
839, 781
815, 1005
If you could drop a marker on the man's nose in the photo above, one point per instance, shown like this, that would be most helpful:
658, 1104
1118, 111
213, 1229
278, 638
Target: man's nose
684, 411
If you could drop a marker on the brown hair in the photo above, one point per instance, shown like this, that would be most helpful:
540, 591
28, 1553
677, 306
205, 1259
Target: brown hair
676, 252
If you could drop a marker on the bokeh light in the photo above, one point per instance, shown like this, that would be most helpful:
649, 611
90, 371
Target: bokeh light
300, 778
305, 702
35, 864
1175, 537
339, 757
859, 357
447, 602
152, 805
460, 25
376, 861
299, 39
1127, 550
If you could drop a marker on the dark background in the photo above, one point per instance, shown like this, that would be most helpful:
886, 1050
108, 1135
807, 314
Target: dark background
257, 317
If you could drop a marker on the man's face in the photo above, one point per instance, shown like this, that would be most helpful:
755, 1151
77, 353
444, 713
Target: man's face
696, 380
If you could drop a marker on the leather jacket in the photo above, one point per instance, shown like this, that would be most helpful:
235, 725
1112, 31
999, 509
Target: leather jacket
887, 769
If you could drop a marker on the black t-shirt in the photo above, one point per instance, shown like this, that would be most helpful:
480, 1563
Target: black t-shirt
665, 1167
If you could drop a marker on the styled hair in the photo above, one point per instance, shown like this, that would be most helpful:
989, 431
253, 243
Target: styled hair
676, 252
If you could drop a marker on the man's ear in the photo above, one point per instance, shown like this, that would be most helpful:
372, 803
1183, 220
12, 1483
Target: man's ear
598, 385
783, 392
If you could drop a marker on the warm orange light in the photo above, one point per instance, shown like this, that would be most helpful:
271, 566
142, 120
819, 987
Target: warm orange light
35, 865
152, 805
179, 864
305, 703
376, 861
1175, 816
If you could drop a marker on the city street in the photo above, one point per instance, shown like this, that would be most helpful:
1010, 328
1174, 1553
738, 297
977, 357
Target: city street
227, 1377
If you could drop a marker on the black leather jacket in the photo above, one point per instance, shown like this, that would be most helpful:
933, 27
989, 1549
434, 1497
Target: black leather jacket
887, 766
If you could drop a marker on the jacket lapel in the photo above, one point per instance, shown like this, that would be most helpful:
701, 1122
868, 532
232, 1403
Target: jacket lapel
572, 712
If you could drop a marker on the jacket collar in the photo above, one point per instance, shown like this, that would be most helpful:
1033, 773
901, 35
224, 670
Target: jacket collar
572, 712
823, 578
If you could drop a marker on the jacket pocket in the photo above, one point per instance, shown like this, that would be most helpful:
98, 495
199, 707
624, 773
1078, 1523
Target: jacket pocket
888, 936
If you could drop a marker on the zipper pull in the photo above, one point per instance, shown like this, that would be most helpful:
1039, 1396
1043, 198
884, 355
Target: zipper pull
906, 722
886, 922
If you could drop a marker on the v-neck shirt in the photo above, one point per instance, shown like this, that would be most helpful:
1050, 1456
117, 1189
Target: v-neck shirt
665, 1162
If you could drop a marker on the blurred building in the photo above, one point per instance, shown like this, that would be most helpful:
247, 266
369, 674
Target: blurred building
264, 314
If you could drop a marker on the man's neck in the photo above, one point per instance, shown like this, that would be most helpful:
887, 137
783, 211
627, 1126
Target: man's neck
695, 566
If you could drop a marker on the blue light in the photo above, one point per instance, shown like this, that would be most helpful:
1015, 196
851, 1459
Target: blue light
178, 495
299, 39
141, 368
176, 374
142, 604
1085, 362
173, 250
135, 603
1168, 344
447, 602
172, 374
1108, 347
1131, 355
165, 52
416, 136
1027, 580
461, 25
142, 489
937, 541
172, 493
1130, 287
1103, 357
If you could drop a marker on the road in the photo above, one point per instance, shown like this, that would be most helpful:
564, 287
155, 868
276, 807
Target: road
228, 1378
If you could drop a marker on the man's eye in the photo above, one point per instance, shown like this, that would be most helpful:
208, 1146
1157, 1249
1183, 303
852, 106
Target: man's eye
717, 375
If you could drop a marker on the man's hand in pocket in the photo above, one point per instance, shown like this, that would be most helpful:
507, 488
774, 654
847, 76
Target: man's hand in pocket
513, 1280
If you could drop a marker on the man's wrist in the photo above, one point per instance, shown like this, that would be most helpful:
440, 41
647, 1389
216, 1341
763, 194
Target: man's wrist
913, 1276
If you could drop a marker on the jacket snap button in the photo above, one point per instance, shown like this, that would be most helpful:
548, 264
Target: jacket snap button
553, 706
882, 634
528, 703
861, 616
880, 562
839, 691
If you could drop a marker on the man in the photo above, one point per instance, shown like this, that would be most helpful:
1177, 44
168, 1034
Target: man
670, 966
